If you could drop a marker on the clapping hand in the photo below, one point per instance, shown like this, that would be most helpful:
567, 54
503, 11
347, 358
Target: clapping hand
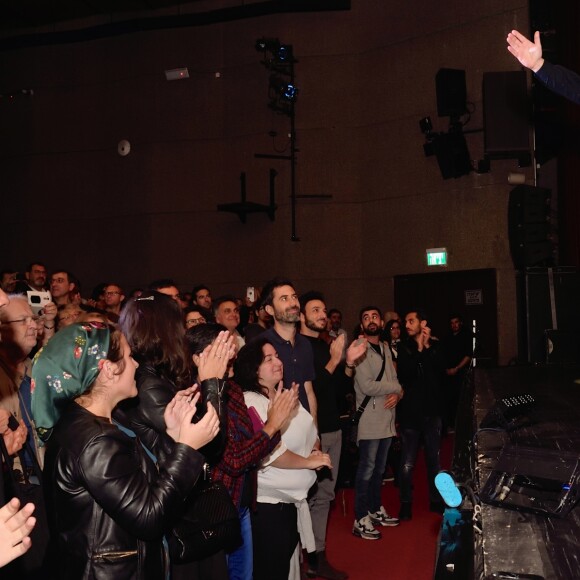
15, 527
182, 405
198, 434
213, 361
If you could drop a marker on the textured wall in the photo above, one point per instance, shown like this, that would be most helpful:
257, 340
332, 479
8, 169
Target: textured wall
366, 78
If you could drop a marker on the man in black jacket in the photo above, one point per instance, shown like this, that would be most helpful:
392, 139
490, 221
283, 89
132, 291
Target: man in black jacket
330, 383
420, 368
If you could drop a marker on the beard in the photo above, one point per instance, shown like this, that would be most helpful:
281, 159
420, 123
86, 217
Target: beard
314, 325
287, 316
374, 331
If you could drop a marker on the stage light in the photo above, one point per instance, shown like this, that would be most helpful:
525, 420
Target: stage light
267, 44
281, 89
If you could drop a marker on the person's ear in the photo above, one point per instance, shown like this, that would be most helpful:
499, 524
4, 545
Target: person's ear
108, 370
423, 323
195, 358
269, 310
302, 318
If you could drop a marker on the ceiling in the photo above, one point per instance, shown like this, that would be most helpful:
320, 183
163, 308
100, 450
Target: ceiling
27, 14
37, 22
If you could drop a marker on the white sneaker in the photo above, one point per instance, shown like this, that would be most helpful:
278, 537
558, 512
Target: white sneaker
364, 529
382, 518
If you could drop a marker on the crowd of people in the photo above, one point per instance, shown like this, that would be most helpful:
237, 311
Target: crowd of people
129, 400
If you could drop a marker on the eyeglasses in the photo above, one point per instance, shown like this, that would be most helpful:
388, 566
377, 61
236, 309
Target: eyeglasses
24, 321
194, 321
112, 293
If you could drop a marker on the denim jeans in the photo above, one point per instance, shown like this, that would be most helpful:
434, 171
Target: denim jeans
410, 441
241, 560
369, 475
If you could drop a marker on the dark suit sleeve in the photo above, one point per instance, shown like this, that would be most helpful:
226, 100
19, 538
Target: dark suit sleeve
561, 81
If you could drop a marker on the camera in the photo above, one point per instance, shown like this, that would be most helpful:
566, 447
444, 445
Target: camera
37, 300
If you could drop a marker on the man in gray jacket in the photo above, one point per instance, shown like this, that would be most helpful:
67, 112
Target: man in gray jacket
378, 390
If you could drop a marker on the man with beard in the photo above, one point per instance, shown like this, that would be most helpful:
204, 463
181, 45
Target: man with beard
420, 366
35, 276
330, 383
377, 391
281, 303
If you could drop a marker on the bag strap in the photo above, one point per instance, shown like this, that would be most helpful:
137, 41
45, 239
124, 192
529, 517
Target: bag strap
361, 408
382, 371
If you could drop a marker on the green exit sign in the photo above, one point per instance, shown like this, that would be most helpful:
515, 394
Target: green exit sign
437, 257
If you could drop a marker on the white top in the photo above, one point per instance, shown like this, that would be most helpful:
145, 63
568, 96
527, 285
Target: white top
277, 485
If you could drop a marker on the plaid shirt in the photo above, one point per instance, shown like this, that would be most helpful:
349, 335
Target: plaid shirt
244, 448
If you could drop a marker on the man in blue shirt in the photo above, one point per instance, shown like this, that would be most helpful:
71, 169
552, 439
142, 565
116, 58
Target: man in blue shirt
281, 303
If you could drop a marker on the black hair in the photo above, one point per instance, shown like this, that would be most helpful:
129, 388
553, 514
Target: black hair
153, 325
367, 308
32, 264
202, 335
308, 297
225, 298
197, 289
334, 311
161, 283
247, 364
270, 286
421, 314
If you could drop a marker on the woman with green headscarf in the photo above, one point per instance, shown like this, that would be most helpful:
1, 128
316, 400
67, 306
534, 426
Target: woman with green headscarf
107, 504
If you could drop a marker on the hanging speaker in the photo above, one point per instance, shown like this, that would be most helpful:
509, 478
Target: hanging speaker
451, 92
529, 226
506, 115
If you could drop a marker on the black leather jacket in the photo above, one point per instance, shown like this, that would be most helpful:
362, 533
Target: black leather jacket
107, 504
144, 413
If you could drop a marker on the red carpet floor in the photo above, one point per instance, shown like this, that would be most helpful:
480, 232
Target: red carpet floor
405, 552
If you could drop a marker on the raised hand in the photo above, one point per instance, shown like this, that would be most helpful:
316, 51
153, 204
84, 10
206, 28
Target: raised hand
357, 348
528, 53
213, 361
336, 348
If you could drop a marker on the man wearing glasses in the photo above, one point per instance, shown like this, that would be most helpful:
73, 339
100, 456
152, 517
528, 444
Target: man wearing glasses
19, 336
193, 317
114, 299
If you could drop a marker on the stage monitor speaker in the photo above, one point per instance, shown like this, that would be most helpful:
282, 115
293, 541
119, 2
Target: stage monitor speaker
529, 226
451, 92
509, 413
532, 479
506, 115
452, 154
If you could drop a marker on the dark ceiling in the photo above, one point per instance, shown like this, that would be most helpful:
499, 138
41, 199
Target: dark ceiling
38, 22
24, 14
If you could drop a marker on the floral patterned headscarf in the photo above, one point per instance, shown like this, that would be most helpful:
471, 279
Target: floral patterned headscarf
64, 369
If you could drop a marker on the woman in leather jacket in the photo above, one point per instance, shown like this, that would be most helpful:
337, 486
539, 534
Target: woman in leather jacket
153, 324
107, 504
